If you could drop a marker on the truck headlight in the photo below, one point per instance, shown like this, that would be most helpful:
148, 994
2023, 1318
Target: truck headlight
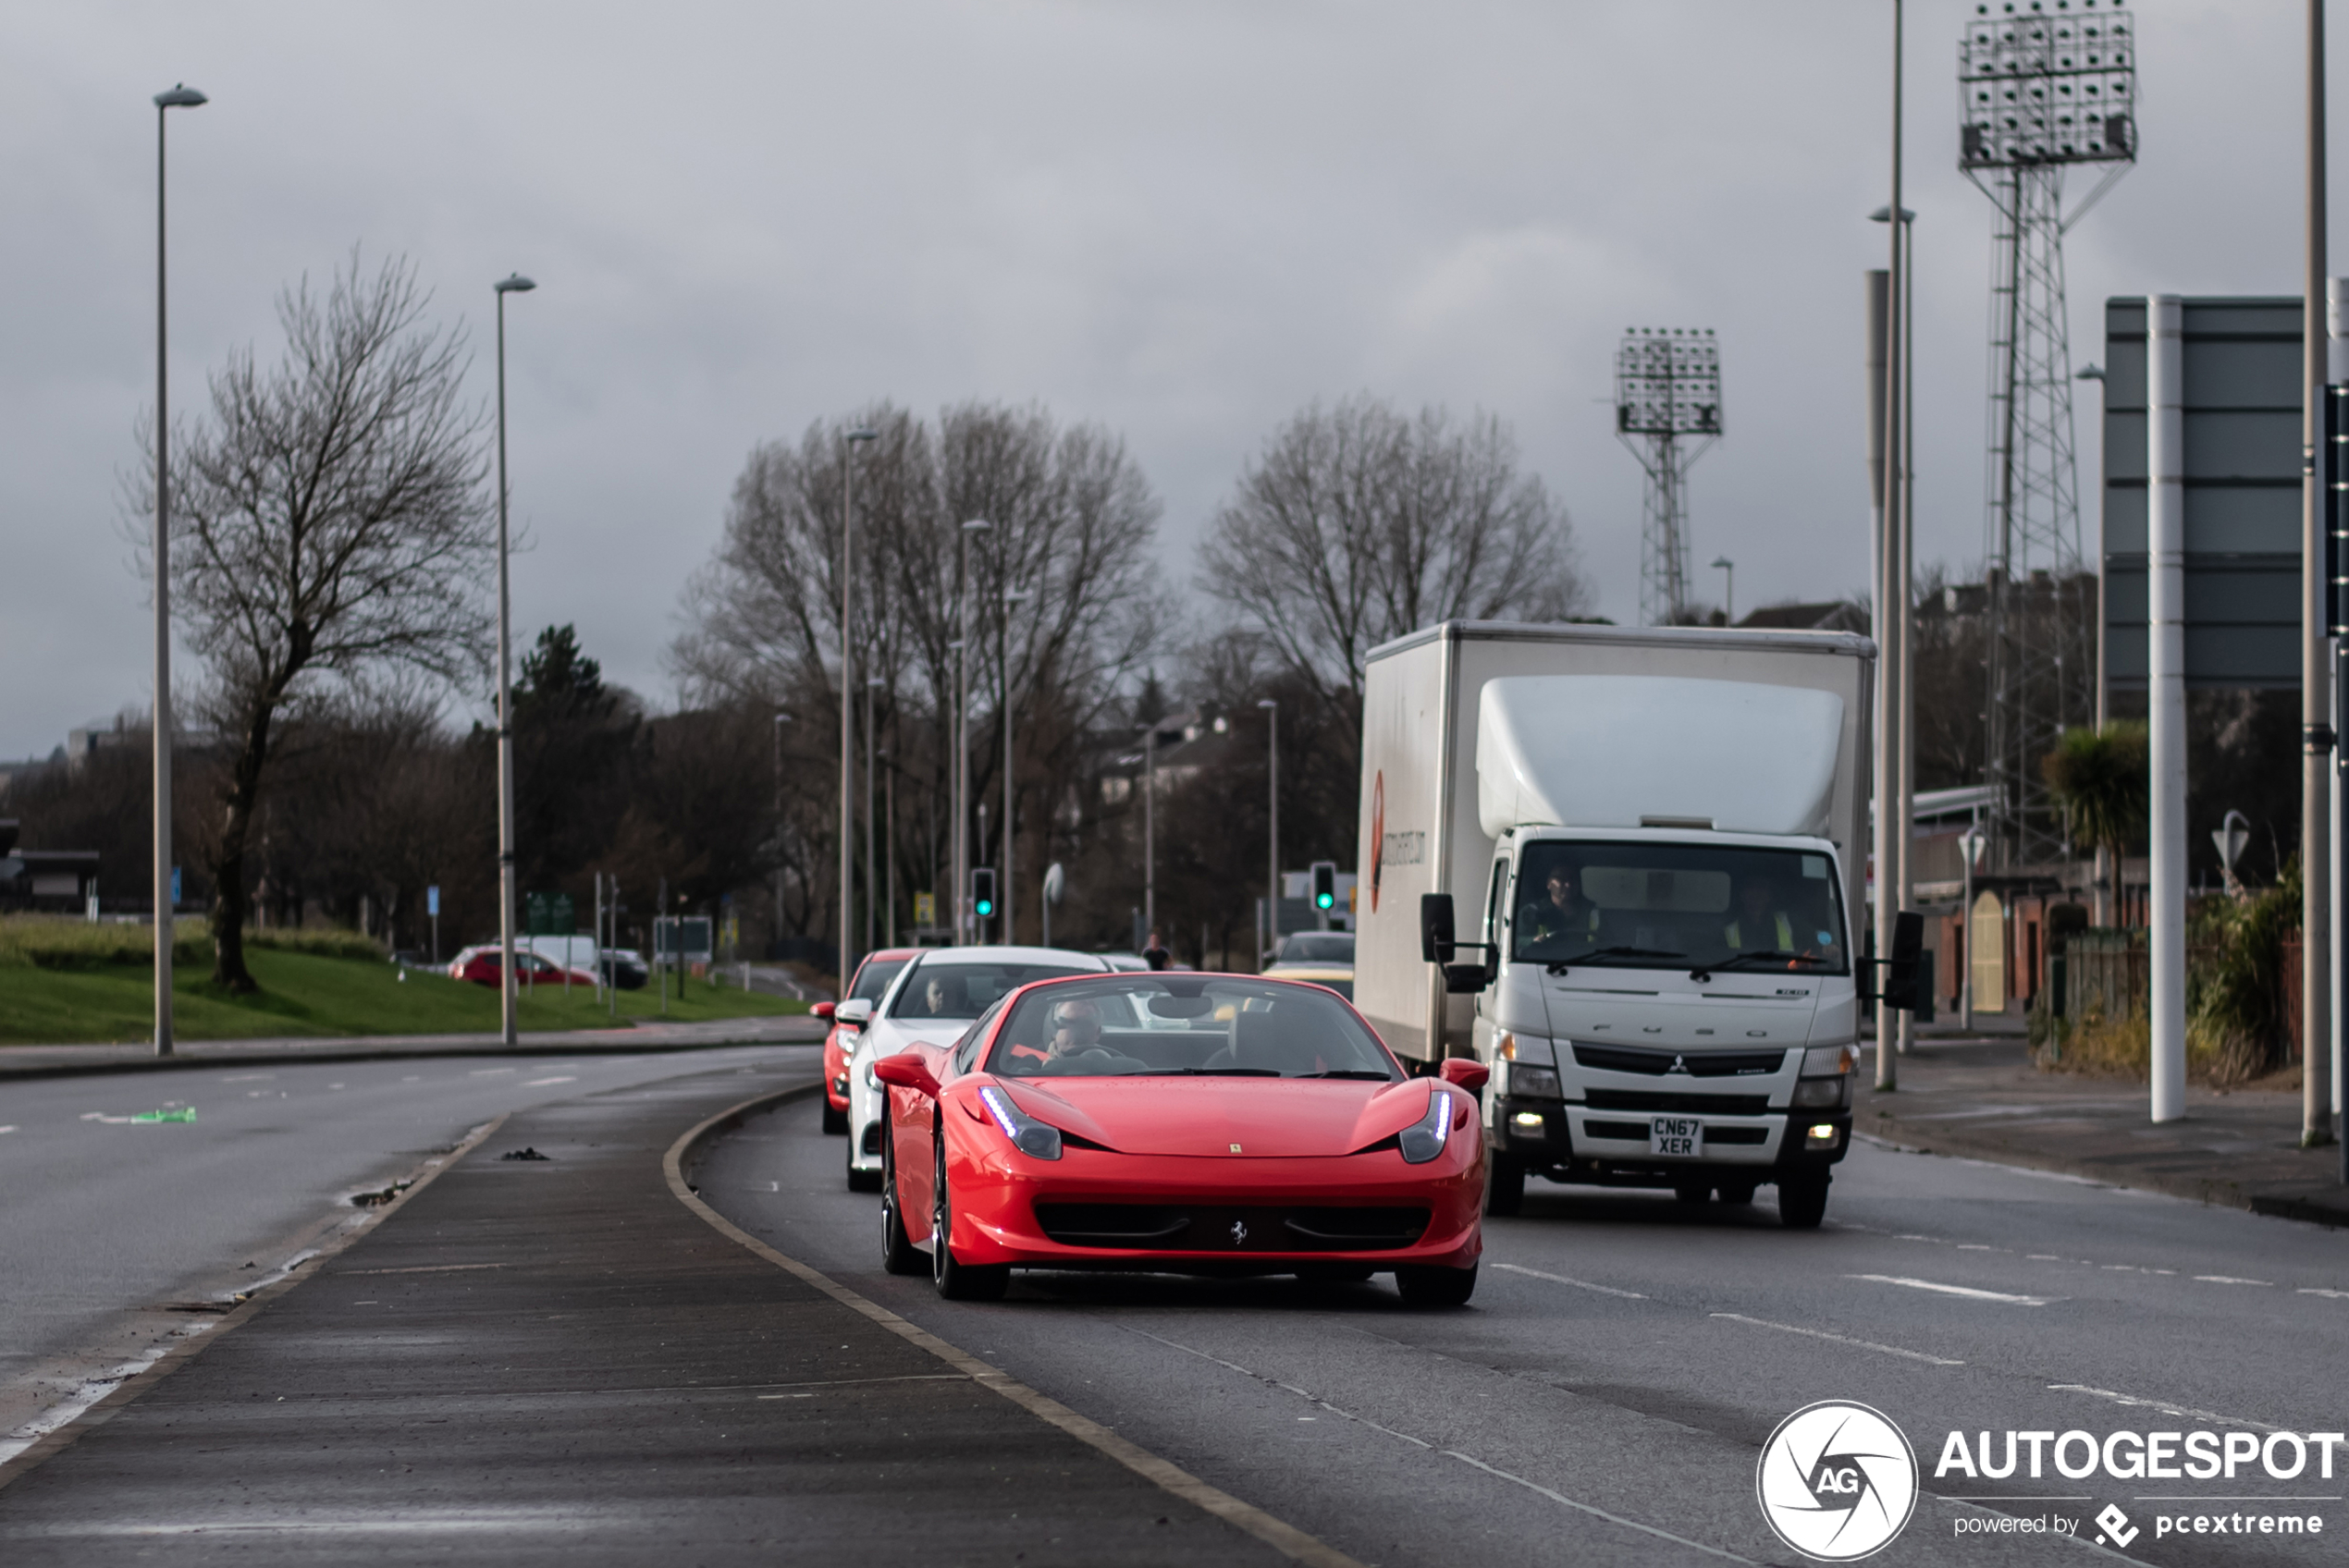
1425, 1139
1821, 1093
1535, 1082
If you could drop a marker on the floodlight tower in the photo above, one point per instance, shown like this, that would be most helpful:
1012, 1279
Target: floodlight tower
1668, 410
2040, 90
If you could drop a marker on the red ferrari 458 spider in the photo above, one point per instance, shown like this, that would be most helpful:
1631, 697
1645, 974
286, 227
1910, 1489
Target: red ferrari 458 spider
1179, 1123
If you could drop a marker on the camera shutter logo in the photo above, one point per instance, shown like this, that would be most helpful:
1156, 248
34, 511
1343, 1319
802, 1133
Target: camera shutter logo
1836, 1481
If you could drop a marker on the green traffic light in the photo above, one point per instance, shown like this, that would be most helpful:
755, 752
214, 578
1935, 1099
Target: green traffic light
1325, 900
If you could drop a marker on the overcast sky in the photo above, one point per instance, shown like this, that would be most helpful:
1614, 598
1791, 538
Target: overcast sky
1182, 220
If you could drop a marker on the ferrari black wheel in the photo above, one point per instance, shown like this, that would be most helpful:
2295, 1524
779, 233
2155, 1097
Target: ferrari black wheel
1802, 1200
1422, 1286
1504, 1185
899, 1255
955, 1281
835, 1118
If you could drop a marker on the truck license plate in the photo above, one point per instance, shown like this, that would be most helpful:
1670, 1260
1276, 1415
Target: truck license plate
1677, 1137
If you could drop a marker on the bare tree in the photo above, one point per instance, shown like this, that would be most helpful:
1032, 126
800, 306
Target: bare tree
331, 528
1358, 524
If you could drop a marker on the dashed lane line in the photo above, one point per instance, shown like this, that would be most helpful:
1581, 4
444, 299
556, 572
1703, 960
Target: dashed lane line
1840, 1339
2185, 1412
1969, 1291
1577, 1284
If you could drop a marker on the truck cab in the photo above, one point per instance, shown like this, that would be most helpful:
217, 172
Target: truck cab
1667, 1010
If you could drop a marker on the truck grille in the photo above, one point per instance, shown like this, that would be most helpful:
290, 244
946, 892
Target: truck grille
1655, 1063
1226, 1228
1686, 1104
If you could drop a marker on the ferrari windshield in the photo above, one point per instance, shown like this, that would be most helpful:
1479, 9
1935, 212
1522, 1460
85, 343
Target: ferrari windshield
1676, 906
959, 992
1182, 1025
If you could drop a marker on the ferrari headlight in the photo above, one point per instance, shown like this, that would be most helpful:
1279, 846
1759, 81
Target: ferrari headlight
1039, 1139
1425, 1139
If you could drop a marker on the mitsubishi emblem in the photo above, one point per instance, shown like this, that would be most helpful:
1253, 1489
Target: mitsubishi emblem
1679, 1064
1239, 1232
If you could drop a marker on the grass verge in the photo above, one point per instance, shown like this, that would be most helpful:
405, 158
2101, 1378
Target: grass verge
309, 993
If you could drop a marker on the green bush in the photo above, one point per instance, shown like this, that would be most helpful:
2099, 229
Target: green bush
2238, 999
60, 941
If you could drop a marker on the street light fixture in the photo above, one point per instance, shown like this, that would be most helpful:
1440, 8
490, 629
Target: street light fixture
850, 440
512, 283
962, 765
1728, 569
166, 907
1272, 800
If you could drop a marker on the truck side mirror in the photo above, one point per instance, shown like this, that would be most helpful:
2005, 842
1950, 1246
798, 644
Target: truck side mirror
1908, 949
1438, 937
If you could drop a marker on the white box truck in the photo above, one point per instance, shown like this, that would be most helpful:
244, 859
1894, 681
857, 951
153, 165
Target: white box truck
1652, 837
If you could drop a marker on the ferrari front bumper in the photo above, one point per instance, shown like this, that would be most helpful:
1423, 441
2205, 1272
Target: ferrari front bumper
1096, 1209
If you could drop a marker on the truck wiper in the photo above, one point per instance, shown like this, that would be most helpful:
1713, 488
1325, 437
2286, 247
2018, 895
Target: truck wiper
1741, 960
1559, 966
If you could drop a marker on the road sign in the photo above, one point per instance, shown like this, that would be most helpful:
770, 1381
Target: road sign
431, 899
684, 938
925, 909
549, 915
175, 887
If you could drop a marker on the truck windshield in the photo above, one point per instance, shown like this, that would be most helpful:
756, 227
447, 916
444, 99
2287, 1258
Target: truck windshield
1678, 906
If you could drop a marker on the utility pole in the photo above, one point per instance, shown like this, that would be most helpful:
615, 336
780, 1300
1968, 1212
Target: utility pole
2315, 716
1889, 596
1013, 599
1272, 804
961, 746
849, 442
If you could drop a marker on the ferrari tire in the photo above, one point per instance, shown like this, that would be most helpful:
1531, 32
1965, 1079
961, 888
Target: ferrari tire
1424, 1287
1802, 1200
835, 1120
860, 1181
1693, 1190
956, 1280
899, 1255
1504, 1185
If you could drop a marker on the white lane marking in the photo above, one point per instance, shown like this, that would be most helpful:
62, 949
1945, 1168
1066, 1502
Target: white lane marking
1966, 1290
1839, 1338
1577, 1284
100, 1116
248, 1077
2182, 1412
542, 1083
1597, 1513
514, 1519
9, 1128
2305, 1290
488, 1072
2229, 1279
1451, 1454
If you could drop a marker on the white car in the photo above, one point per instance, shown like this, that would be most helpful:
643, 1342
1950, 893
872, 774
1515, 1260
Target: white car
932, 1002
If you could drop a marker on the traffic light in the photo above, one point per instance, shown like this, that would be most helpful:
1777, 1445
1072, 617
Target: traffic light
983, 891
1325, 885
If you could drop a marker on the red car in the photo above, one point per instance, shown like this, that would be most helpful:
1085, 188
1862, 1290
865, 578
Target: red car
871, 979
481, 967
1179, 1123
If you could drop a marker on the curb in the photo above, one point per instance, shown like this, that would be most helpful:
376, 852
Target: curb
1276, 1533
2214, 1192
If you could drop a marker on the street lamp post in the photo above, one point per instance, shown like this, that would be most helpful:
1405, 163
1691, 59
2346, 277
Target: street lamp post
1149, 828
873, 684
180, 97
513, 284
1013, 599
780, 720
1728, 569
1272, 838
848, 693
962, 768
1891, 598
1899, 569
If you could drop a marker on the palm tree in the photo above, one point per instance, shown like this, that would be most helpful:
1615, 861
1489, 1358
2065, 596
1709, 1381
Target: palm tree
2099, 779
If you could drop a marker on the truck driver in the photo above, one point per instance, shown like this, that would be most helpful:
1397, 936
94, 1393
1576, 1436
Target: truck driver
1560, 924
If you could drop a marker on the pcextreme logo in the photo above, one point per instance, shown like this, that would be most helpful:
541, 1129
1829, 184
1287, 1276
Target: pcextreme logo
1836, 1481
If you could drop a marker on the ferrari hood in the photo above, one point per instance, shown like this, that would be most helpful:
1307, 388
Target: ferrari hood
1266, 1117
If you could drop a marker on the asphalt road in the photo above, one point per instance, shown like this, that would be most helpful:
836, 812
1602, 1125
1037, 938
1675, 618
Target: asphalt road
111, 1228
1607, 1395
